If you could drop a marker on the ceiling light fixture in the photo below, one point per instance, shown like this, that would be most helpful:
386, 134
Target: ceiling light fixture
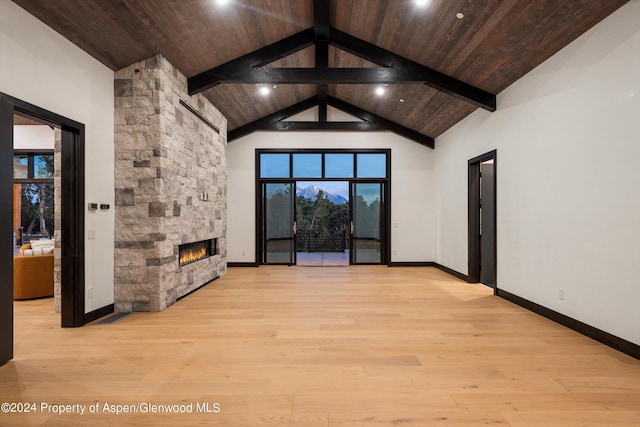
222, 3
421, 3
264, 90
401, 99
380, 91
459, 15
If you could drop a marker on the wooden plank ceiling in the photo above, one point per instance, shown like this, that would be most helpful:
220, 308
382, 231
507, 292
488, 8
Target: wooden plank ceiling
492, 46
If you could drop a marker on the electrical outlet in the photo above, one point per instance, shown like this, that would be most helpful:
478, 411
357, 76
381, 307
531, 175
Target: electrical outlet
561, 294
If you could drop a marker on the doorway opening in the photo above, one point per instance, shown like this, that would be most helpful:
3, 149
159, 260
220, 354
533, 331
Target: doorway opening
322, 223
482, 220
71, 249
318, 208
34, 195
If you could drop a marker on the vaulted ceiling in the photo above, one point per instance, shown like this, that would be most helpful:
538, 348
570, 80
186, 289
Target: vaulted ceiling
437, 62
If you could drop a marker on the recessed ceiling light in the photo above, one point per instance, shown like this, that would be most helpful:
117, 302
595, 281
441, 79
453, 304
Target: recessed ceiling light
421, 3
401, 99
264, 90
380, 91
459, 15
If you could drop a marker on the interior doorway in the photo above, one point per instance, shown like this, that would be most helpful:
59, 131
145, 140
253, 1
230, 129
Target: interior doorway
33, 180
71, 206
482, 220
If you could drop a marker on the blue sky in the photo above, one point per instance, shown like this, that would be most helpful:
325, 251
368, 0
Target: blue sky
309, 165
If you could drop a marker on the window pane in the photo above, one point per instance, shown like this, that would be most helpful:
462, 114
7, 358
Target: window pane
307, 165
367, 214
21, 167
338, 165
274, 165
279, 237
36, 211
43, 166
372, 165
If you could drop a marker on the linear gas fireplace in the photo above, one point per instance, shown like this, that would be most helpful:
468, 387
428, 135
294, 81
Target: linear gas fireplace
196, 251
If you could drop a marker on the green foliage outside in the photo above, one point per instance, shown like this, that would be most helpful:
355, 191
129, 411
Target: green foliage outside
321, 215
322, 225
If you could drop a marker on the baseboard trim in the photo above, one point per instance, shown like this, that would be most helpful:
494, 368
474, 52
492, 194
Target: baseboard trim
96, 314
431, 264
242, 264
411, 264
452, 272
599, 335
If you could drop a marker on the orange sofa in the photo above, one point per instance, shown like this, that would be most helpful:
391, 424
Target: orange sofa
32, 275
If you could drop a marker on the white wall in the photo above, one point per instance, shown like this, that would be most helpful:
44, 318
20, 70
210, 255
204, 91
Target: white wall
333, 115
42, 68
568, 197
33, 137
412, 209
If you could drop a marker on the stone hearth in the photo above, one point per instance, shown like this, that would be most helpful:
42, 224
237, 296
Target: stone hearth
170, 186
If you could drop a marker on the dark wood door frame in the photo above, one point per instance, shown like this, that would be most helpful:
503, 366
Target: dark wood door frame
474, 217
6, 234
72, 210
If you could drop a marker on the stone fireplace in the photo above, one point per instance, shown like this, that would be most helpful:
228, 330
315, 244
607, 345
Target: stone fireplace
170, 180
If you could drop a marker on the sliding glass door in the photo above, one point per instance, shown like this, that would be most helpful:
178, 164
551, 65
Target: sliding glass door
323, 207
278, 226
367, 225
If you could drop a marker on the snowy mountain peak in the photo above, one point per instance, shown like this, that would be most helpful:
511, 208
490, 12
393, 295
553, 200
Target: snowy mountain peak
311, 192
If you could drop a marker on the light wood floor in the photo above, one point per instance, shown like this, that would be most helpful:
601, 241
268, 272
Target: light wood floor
360, 346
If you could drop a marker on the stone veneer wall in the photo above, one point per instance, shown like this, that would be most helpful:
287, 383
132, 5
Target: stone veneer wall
166, 159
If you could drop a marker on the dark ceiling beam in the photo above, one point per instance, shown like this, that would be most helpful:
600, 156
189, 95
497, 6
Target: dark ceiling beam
257, 58
318, 76
326, 76
371, 122
381, 122
266, 122
323, 93
326, 126
412, 70
321, 18
396, 69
